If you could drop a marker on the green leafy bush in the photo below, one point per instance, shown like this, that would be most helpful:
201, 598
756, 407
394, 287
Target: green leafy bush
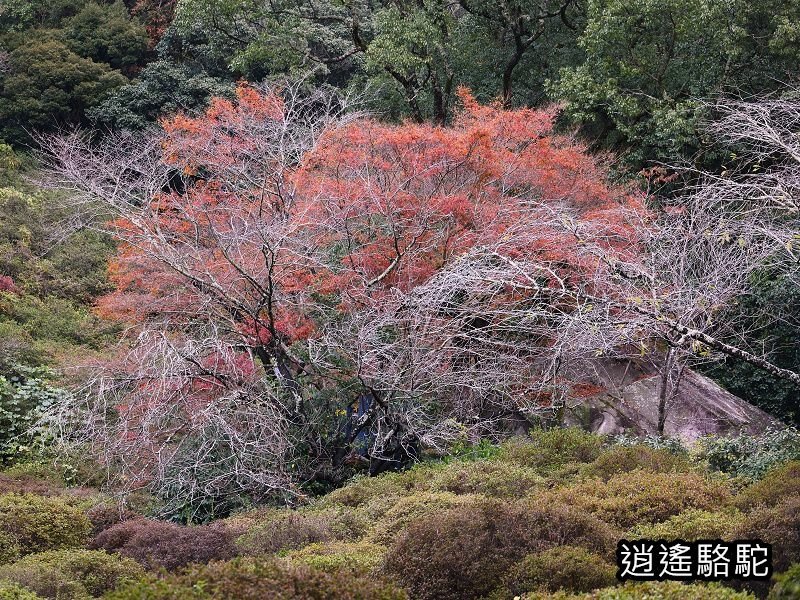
12, 591
464, 552
360, 490
778, 484
256, 579
550, 449
639, 497
24, 395
491, 478
778, 525
670, 444
624, 459
39, 524
291, 529
663, 590
71, 574
408, 508
359, 557
692, 524
752, 455
787, 585
157, 544
560, 568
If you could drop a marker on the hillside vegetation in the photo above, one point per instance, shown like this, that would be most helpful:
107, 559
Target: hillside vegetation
534, 518
297, 298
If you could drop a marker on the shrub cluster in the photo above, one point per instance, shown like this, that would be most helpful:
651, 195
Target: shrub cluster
664, 590
561, 568
627, 458
752, 455
257, 579
12, 591
35, 523
777, 485
778, 525
104, 516
549, 450
787, 585
286, 529
464, 552
157, 544
692, 524
71, 574
361, 558
640, 497
488, 477
409, 508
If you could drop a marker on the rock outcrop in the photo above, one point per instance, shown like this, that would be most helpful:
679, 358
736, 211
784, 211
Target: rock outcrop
628, 402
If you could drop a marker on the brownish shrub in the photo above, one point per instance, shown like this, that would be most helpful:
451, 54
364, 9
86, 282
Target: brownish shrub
463, 552
778, 525
158, 544
104, 516
624, 459
258, 579
560, 568
778, 485
286, 529
639, 497
28, 485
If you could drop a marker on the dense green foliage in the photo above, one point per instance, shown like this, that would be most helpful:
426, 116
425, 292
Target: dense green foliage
35, 524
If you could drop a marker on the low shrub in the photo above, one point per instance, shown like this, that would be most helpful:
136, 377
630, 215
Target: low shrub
37, 523
19, 480
464, 552
691, 525
257, 579
777, 485
624, 459
639, 497
778, 525
71, 574
157, 544
360, 490
12, 591
560, 568
787, 585
289, 529
550, 449
490, 478
664, 590
406, 509
752, 455
361, 558
104, 515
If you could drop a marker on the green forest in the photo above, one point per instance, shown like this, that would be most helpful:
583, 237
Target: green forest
408, 299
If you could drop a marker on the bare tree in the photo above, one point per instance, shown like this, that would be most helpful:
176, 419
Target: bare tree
302, 287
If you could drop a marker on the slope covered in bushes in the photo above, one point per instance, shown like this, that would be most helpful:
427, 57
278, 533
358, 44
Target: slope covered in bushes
536, 518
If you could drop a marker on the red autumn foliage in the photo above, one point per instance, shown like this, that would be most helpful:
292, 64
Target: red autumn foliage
7, 284
392, 203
